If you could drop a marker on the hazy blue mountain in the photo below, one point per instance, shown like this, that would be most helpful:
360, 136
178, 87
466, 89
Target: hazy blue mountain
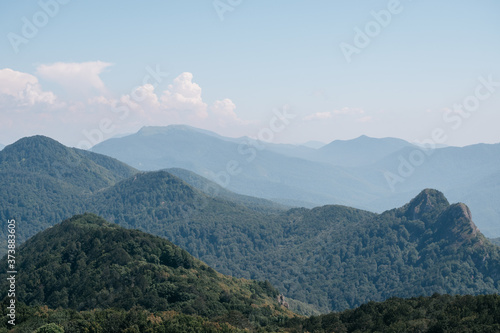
214, 190
360, 151
314, 144
1, 146
352, 172
255, 171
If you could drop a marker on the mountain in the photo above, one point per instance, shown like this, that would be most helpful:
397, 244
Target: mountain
342, 256
469, 174
331, 257
1, 146
86, 263
366, 173
42, 182
245, 167
214, 190
314, 144
360, 151
495, 241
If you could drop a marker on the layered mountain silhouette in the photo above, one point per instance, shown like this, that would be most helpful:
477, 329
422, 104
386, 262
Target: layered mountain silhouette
367, 173
331, 257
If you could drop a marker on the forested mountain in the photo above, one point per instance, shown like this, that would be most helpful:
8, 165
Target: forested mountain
43, 182
332, 257
495, 241
366, 173
86, 263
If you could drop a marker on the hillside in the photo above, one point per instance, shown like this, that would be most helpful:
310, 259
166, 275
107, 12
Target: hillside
439, 313
43, 182
214, 190
86, 263
332, 257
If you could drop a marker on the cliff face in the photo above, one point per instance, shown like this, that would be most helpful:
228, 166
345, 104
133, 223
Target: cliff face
455, 224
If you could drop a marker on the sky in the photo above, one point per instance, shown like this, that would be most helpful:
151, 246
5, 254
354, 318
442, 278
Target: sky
281, 71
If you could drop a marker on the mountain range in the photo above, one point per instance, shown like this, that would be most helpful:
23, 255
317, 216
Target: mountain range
88, 275
326, 258
366, 173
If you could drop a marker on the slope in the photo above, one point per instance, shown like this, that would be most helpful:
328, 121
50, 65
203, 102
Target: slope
42, 182
86, 263
332, 257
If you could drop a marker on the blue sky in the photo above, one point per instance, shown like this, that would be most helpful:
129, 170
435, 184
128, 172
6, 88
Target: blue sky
88, 58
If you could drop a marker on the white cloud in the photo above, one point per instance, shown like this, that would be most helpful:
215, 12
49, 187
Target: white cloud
347, 110
331, 114
183, 95
22, 101
319, 116
76, 78
23, 89
223, 112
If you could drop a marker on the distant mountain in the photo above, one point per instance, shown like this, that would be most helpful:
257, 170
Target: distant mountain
246, 168
366, 173
360, 151
212, 189
314, 144
86, 263
1, 146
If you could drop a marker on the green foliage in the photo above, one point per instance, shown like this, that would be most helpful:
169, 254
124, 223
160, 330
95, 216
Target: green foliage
439, 313
43, 182
331, 257
495, 241
86, 263
50, 328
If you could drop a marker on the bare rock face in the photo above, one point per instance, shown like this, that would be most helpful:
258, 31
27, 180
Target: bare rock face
282, 301
456, 224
